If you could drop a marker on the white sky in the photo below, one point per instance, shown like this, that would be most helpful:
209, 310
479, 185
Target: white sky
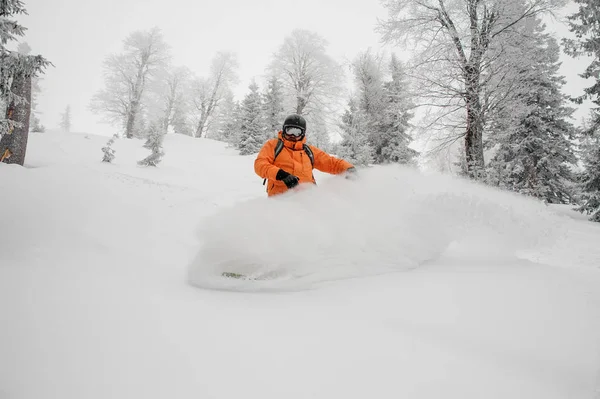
76, 36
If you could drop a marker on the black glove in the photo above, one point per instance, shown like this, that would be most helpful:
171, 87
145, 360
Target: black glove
351, 173
289, 180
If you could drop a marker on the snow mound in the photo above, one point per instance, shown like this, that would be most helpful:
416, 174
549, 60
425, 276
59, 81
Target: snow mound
391, 219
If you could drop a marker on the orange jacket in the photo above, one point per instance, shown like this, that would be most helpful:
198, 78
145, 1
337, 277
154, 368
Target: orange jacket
294, 160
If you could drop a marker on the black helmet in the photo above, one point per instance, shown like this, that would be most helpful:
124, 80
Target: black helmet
294, 120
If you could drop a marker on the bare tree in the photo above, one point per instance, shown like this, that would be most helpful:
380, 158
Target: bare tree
209, 92
453, 38
126, 78
167, 95
310, 77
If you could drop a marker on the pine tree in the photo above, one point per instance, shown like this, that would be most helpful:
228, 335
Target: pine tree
535, 155
273, 105
154, 143
368, 107
584, 23
384, 108
65, 119
394, 139
252, 122
590, 179
109, 153
355, 146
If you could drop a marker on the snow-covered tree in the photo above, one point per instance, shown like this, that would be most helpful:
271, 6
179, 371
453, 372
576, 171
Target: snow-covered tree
370, 101
16, 74
311, 79
182, 118
252, 129
535, 156
453, 39
584, 24
317, 130
166, 96
274, 100
232, 127
590, 178
35, 124
396, 138
384, 107
127, 76
154, 143
65, 119
355, 145
108, 151
227, 121
209, 92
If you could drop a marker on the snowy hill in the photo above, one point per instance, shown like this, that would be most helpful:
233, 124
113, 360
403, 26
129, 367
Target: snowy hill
396, 285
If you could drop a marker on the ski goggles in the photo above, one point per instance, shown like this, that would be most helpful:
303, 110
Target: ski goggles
294, 131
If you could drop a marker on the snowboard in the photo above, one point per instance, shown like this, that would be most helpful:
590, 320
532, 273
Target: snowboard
255, 277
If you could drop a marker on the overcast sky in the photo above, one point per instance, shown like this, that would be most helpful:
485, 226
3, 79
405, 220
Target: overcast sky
76, 35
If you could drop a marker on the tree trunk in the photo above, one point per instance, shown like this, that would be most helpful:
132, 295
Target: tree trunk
137, 91
300, 105
200, 128
474, 133
131, 119
13, 145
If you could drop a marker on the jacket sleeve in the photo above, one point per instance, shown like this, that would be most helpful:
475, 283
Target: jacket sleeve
329, 164
263, 165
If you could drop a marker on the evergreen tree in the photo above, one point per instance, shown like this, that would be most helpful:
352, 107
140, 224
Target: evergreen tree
584, 24
384, 109
252, 122
274, 106
535, 155
154, 143
368, 107
107, 150
590, 179
394, 139
355, 145
65, 119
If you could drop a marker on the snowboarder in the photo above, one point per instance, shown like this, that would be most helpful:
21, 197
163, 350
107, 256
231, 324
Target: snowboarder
287, 161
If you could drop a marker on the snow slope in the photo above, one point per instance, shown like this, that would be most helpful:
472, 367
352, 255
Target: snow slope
395, 285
